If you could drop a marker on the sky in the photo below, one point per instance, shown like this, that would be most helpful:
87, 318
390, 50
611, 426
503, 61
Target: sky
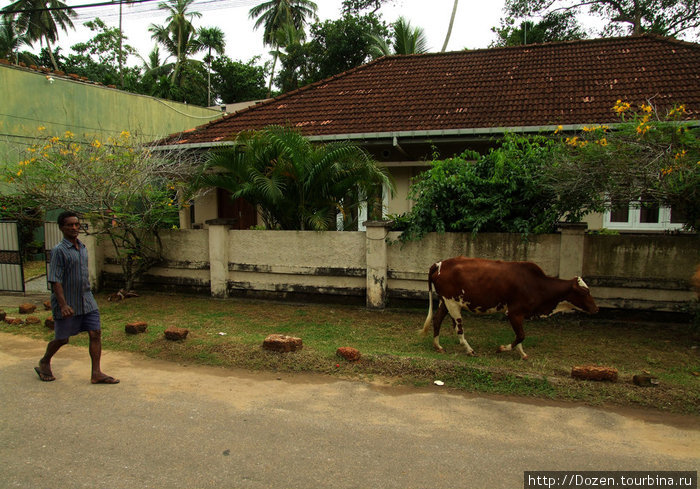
472, 26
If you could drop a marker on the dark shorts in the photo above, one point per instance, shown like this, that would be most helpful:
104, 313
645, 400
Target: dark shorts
65, 328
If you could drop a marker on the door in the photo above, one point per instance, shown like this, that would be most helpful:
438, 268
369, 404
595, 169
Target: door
240, 210
11, 273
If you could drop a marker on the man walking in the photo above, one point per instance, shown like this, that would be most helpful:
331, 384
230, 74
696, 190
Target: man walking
72, 303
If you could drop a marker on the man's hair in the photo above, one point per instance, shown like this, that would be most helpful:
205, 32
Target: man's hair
65, 215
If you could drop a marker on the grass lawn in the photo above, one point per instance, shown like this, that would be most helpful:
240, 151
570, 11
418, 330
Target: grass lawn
392, 349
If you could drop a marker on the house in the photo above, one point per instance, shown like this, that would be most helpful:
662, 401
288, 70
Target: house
404, 108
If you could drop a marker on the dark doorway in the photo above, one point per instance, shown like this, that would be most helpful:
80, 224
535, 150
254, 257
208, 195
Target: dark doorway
243, 212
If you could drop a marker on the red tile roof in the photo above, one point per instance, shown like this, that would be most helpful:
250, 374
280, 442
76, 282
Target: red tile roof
564, 83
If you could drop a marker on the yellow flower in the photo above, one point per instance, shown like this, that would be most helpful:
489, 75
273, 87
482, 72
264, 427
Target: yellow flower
680, 154
69, 135
680, 110
31, 150
643, 128
54, 139
125, 134
603, 142
19, 173
572, 141
41, 128
647, 108
559, 129
621, 106
96, 144
589, 129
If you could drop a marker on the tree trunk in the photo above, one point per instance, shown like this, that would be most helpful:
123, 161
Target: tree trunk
272, 75
53, 60
449, 29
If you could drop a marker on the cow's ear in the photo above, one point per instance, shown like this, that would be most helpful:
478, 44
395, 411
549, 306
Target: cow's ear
581, 283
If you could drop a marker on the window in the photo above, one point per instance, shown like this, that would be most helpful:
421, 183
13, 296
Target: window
638, 216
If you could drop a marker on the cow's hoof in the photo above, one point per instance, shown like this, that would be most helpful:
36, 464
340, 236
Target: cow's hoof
524, 357
501, 349
440, 350
472, 354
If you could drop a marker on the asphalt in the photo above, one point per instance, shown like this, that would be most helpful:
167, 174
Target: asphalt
169, 425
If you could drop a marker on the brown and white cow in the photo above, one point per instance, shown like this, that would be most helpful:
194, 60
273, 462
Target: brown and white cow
521, 290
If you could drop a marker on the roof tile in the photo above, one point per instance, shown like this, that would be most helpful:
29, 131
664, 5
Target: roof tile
574, 82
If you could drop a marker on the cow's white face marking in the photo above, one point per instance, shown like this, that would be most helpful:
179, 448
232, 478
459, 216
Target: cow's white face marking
581, 283
439, 265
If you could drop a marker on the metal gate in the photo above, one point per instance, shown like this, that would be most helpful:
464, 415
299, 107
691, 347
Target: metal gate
11, 272
52, 236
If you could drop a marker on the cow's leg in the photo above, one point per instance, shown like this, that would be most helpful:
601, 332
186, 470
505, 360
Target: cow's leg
437, 321
455, 310
516, 322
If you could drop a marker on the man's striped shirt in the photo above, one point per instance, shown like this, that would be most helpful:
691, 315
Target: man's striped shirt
69, 267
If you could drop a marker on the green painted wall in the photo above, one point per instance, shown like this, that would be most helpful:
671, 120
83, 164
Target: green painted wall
28, 100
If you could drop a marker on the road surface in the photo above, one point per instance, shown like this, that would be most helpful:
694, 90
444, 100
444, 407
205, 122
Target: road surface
168, 425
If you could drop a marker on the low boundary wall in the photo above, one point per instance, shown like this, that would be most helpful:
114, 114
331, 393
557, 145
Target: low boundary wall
646, 272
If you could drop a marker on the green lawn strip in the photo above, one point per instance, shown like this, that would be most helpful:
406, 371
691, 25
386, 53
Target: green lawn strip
229, 333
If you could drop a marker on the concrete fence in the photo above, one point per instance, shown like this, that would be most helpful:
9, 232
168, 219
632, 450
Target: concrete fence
650, 272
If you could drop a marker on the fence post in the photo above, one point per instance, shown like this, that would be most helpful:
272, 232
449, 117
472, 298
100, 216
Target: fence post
218, 256
571, 249
375, 234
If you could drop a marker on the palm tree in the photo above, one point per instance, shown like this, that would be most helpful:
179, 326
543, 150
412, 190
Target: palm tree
296, 184
274, 15
11, 41
285, 36
405, 40
211, 38
178, 36
38, 23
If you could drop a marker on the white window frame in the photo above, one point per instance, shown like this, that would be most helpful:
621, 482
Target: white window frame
633, 223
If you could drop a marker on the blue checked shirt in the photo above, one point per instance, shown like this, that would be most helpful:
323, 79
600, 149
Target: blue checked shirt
69, 267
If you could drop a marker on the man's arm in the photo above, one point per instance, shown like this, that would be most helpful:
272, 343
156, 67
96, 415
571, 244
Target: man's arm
66, 310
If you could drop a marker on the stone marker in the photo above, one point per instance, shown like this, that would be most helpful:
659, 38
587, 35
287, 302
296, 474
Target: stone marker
32, 320
27, 308
282, 343
13, 320
176, 334
47, 305
349, 353
645, 380
593, 372
136, 327
48, 322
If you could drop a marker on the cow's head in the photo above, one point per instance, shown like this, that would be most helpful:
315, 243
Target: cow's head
580, 296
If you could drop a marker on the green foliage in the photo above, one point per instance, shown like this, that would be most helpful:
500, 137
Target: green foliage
37, 23
98, 58
557, 26
649, 157
334, 46
126, 192
296, 184
666, 17
235, 81
502, 191
404, 39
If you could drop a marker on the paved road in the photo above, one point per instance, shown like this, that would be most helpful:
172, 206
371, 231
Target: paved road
175, 426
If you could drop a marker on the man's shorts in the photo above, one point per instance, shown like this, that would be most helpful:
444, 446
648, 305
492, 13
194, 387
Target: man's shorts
65, 328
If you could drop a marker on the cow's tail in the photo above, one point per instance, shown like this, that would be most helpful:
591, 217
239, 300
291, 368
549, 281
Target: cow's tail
429, 319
